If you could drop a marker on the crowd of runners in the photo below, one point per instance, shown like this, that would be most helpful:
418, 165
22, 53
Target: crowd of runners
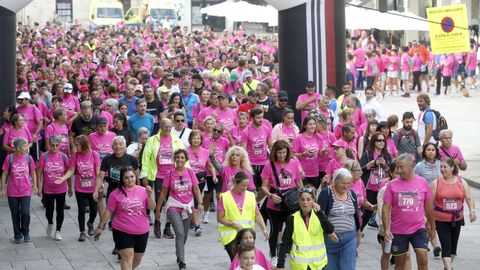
134, 123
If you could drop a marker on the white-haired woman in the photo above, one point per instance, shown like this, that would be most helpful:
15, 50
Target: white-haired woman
340, 206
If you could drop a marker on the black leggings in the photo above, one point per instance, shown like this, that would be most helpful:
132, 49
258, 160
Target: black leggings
448, 236
229, 248
82, 200
416, 80
367, 214
50, 204
277, 218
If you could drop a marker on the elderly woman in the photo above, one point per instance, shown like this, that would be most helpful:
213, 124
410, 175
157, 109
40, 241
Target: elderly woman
135, 149
19, 169
112, 106
340, 206
54, 164
304, 237
447, 149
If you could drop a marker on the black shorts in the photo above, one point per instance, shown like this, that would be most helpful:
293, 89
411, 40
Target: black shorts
370, 81
418, 239
314, 181
257, 179
447, 81
212, 186
201, 186
380, 238
426, 71
125, 240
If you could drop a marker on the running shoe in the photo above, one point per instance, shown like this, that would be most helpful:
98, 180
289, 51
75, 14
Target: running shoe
205, 218
156, 229
436, 251
167, 233
114, 251
197, 230
49, 230
182, 266
91, 231
26, 238
58, 236
66, 207
82, 237
212, 206
273, 261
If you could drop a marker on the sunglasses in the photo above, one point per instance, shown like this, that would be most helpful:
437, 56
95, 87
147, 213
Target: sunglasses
171, 80
217, 130
381, 140
180, 120
167, 127
181, 180
283, 100
54, 145
283, 173
306, 190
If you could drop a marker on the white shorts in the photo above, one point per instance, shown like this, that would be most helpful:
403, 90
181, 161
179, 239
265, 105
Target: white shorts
405, 75
392, 74
383, 76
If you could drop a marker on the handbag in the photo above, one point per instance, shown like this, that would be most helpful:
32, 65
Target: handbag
289, 197
201, 177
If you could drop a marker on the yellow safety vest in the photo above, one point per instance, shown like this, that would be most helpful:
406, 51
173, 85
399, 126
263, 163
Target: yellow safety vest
250, 86
308, 248
246, 218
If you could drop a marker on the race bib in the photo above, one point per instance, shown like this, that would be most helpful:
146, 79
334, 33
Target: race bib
449, 204
86, 182
166, 160
408, 199
257, 150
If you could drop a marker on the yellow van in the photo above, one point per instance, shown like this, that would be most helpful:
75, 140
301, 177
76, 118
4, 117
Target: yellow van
158, 9
106, 12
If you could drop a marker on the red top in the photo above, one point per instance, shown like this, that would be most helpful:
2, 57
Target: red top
449, 198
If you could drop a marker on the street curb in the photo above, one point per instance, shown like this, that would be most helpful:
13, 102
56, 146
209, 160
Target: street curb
472, 183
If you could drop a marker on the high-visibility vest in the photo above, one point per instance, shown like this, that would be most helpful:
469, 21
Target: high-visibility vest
246, 218
308, 248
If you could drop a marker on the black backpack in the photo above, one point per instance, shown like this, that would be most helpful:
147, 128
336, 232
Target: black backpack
440, 123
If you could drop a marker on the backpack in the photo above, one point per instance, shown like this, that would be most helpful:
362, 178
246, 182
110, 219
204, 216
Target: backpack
64, 158
10, 162
440, 123
401, 135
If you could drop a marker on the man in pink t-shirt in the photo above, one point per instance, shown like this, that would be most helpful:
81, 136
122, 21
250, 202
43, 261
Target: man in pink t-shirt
101, 140
224, 115
256, 139
447, 149
33, 120
308, 101
407, 201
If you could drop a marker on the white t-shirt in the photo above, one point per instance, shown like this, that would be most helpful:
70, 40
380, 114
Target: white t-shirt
184, 137
255, 267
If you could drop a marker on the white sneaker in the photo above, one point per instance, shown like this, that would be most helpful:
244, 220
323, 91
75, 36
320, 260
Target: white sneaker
273, 261
58, 236
49, 230
205, 217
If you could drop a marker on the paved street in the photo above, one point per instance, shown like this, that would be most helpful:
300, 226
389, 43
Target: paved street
205, 252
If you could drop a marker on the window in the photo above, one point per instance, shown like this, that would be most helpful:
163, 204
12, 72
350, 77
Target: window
105, 12
64, 11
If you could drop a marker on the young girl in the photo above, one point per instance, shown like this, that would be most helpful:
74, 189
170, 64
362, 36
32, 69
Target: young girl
247, 258
247, 237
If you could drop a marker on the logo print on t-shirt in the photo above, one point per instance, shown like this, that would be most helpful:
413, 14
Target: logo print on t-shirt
133, 206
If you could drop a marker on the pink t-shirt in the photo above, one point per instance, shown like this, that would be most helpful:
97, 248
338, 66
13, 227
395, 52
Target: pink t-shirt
359, 54
393, 63
288, 176
85, 165
359, 188
417, 61
392, 149
62, 130
165, 157
284, 132
19, 181
452, 152
32, 117
228, 118
407, 198
71, 103
180, 186
333, 165
102, 143
260, 259
237, 134
203, 114
221, 148
227, 175
11, 134
304, 143
406, 63
53, 167
472, 61
327, 138
305, 97
256, 140
130, 211
198, 159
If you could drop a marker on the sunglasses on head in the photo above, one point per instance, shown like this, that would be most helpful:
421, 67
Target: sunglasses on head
306, 190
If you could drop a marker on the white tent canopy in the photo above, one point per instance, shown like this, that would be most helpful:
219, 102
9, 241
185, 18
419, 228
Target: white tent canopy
243, 12
361, 18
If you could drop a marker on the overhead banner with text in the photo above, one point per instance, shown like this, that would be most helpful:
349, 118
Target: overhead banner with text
448, 29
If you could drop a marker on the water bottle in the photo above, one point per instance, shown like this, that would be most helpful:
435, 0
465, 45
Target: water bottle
388, 247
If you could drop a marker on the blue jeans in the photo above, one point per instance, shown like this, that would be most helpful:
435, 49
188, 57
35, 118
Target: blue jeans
20, 211
342, 255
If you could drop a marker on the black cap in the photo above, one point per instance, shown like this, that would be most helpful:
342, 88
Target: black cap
96, 101
310, 84
196, 77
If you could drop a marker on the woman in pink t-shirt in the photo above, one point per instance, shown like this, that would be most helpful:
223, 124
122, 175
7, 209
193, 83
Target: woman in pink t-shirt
200, 162
85, 165
130, 224
346, 117
52, 165
7, 113
280, 167
248, 237
237, 132
19, 169
181, 185
19, 129
287, 130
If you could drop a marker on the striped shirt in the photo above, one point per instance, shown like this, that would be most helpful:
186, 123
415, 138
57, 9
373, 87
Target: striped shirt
342, 215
